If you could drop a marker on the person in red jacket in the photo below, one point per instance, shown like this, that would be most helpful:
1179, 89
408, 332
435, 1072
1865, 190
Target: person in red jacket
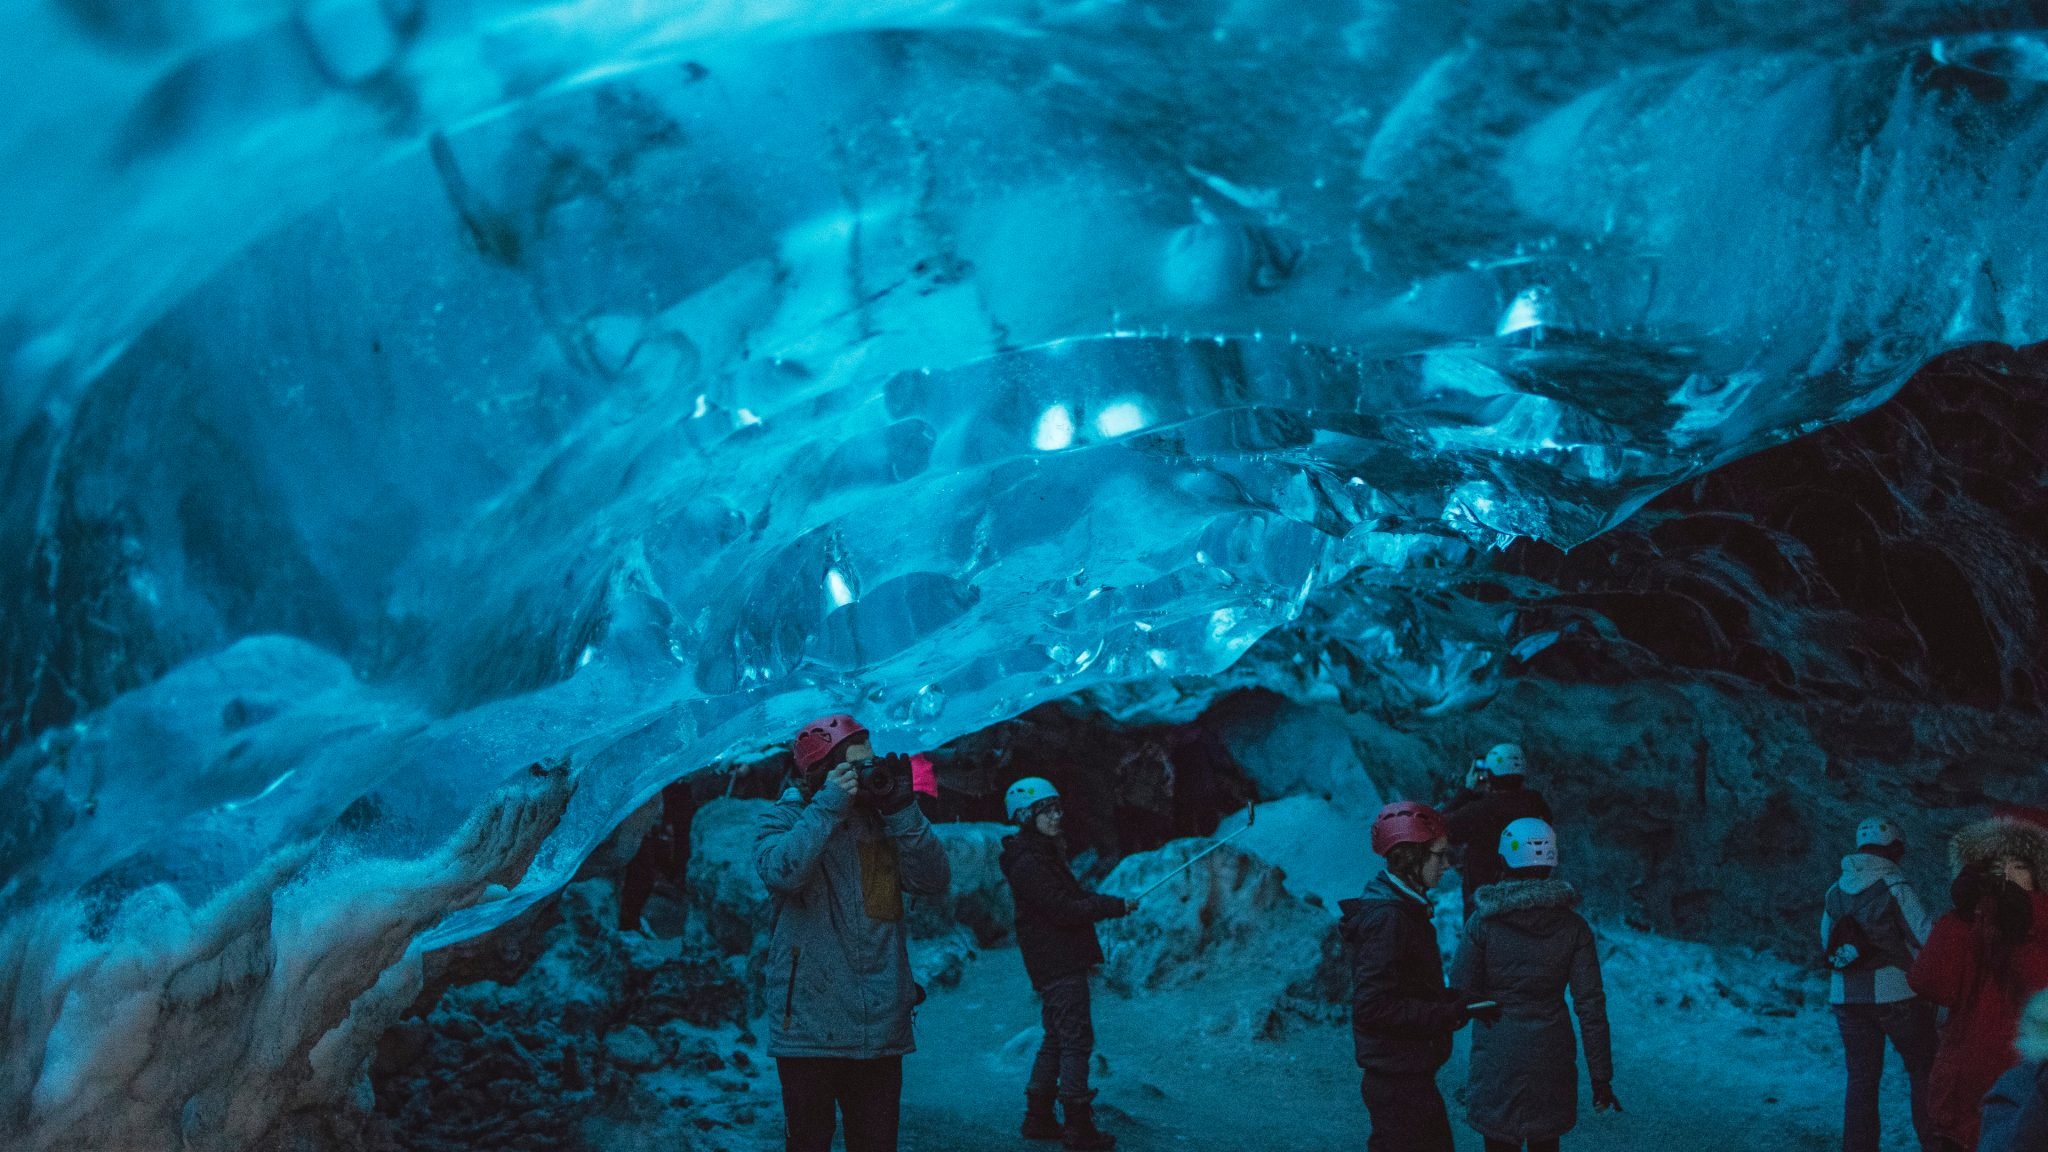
1982, 962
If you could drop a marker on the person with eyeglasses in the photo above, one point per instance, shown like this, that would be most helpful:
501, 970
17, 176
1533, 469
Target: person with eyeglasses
1056, 920
1402, 1013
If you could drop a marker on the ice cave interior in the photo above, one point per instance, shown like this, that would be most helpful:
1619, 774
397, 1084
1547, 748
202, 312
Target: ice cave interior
449, 442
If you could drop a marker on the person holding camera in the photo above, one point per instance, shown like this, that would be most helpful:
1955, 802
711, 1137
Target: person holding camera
837, 853
1495, 795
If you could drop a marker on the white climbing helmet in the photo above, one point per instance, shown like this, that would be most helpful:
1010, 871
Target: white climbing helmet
1024, 793
1504, 760
1529, 843
1877, 832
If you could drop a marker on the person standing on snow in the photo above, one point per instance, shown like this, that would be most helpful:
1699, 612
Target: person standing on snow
2016, 1111
837, 853
1056, 933
1402, 1015
1982, 961
1525, 946
1872, 925
1496, 794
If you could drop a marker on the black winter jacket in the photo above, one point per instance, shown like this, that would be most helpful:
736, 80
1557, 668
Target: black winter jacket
1402, 1015
1055, 915
1475, 820
1526, 946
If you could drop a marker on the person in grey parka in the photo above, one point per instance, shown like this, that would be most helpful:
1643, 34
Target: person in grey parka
837, 853
1525, 946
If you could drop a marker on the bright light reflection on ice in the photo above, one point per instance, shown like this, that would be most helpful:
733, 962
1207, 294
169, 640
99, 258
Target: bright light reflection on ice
1055, 429
1122, 417
836, 587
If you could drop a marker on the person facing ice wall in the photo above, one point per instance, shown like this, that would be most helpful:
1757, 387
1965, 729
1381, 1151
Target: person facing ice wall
1496, 793
838, 852
1872, 925
1525, 946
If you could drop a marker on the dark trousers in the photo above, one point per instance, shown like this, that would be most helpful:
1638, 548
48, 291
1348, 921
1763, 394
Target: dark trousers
865, 1092
1408, 1114
1493, 1145
1061, 1068
1909, 1025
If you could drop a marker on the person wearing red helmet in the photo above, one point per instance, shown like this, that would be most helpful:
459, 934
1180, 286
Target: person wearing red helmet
1402, 1014
837, 853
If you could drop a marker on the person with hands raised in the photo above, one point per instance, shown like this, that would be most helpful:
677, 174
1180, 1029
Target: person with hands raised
1526, 945
837, 853
1982, 961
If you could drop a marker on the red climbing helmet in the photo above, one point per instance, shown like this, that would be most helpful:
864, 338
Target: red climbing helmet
1405, 822
816, 740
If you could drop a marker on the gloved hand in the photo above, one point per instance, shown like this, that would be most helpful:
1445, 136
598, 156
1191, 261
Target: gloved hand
1843, 956
891, 791
1967, 891
1603, 1097
1484, 1011
2011, 910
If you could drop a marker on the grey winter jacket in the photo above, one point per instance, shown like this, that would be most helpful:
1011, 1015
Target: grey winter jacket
1524, 947
838, 967
1874, 892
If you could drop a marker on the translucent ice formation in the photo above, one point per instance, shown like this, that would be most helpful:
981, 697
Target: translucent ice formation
627, 381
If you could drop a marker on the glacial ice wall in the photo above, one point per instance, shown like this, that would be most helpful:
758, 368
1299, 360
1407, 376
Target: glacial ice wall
400, 393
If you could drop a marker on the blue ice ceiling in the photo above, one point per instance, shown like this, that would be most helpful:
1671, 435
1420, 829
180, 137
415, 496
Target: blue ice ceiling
400, 393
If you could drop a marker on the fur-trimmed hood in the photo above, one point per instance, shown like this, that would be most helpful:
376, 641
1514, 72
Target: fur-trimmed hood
1522, 895
2000, 836
2033, 1037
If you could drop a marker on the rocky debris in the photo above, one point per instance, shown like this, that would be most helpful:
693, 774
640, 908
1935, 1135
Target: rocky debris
726, 894
603, 1032
940, 961
979, 899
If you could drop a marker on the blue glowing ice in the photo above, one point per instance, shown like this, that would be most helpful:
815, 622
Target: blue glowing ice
630, 381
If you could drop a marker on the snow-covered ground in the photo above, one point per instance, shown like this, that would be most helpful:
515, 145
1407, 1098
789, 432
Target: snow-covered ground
1704, 1062
1716, 1048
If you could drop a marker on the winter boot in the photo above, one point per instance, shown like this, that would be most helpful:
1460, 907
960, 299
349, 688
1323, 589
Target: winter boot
1040, 1122
1081, 1130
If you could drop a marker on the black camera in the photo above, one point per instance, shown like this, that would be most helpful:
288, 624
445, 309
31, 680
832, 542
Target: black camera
882, 777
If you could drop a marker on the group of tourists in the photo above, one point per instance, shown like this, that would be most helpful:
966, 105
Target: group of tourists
1960, 997
1524, 952
1976, 1077
847, 841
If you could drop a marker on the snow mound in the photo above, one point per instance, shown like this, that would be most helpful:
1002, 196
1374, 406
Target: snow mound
979, 898
1229, 916
1323, 850
725, 888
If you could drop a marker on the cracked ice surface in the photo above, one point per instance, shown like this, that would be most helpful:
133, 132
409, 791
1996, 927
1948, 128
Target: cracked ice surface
630, 381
